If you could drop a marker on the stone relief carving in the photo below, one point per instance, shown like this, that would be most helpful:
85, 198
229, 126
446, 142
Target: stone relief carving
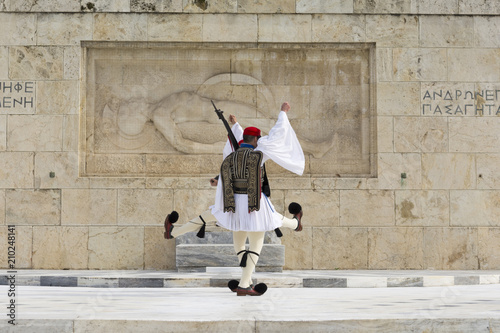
161, 107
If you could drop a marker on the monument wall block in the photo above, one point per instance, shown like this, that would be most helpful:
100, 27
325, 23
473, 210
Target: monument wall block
174, 27
346, 248
299, 248
474, 208
192, 202
487, 173
36, 63
420, 134
385, 134
18, 29
2, 207
158, 254
4, 62
16, 169
366, 208
60, 247
338, 28
63, 29
392, 30
323, 206
453, 248
484, 28
399, 171
418, 208
230, 28
143, 206
3, 133
379, 7
58, 170
115, 247
267, 6
488, 247
89, 207
33, 207
420, 64
438, 7
461, 64
392, 248
398, 98
120, 27
17, 97
284, 28
57, 97
484, 130
447, 31
448, 171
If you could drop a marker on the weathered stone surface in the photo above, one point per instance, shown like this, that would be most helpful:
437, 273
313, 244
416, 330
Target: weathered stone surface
159, 253
437, 7
399, 171
384, 64
23, 239
487, 171
321, 208
116, 247
16, 170
36, 62
88, 207
44, 6
70, 133
188, 203
473, 64
380, 7
229, 28
392, 30
488, 248
475, 208
385, 134
366, 208
450, 248
486, 31
284, 28
397, 248
448, 171
216, 6
401, 98
64, 166
478, 7
72, 57
446, 31
3, 133
412, 134
105, 6
157, 6
485, 131
338, 28
63, 29
340, 248
124, 27
19, 29
422, 208
143, 206
298, 248
319, 6
266, 6
57, 97
34, 133
28, 207
444, 99
4, 62
60, 247
414, 64
175, 28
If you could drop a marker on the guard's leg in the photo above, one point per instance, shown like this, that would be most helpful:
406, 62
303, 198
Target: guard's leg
294, 223
256, 241
193, 225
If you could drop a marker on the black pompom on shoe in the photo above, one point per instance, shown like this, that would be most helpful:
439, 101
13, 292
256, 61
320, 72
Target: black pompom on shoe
296, 210
169, 224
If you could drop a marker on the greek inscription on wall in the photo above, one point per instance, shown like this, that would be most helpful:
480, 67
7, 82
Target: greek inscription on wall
17, 97
460, 100
148, 109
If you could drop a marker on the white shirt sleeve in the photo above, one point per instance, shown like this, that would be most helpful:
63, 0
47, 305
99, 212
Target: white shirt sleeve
282, 146
238, 134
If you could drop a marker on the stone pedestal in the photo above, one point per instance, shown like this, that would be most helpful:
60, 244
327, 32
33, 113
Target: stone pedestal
195, 254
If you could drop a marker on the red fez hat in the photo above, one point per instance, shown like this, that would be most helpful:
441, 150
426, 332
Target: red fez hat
253, 131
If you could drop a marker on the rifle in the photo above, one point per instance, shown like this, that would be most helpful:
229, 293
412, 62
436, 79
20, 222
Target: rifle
265, 186
230, 134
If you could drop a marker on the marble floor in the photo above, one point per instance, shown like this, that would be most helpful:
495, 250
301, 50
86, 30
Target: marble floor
471, 308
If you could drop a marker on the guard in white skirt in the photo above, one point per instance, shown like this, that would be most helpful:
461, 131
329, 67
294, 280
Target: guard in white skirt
240, 205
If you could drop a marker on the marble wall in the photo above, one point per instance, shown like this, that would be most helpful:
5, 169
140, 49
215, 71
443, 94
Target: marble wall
432, 202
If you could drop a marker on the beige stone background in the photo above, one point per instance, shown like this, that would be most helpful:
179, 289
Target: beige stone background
443, 215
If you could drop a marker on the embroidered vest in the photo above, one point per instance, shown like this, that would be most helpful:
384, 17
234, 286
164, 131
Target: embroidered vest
241, 174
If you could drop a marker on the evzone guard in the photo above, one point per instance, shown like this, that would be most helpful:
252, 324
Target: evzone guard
240, 203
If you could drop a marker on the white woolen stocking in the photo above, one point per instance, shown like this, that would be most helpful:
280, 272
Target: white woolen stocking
256, 241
